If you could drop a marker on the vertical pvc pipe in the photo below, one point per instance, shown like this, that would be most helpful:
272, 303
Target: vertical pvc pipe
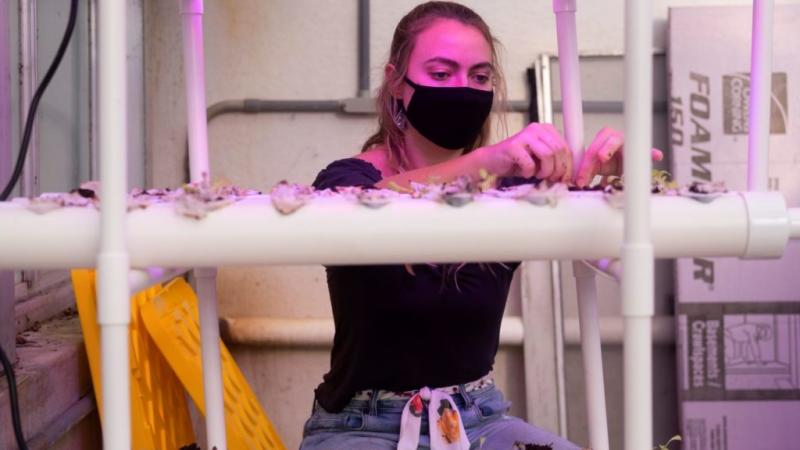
206, 285
572, 111
112, 261
637, 247
570, 77
760, 96
591, 351
194, 69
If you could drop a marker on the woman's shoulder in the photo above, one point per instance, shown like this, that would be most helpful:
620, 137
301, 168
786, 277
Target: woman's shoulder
363, 170
379, 158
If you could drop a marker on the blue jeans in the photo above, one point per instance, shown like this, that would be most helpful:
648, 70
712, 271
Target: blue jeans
375, 424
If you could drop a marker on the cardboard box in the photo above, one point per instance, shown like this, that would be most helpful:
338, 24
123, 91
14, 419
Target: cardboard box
738, 321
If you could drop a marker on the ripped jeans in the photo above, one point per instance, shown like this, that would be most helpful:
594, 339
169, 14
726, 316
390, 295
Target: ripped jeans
375, 424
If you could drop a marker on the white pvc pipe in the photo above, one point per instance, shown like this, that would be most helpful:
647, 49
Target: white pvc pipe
570, 77
284, 332
760, 96
113, 311
304, 333
194, 70
794, 223
569, 71
206, 286
637, 365
592, 356
612, 330
637, 250
251, 232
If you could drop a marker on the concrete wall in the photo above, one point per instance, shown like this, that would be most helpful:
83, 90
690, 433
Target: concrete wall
306, 49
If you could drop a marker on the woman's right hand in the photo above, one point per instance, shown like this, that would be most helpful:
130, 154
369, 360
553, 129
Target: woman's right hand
538, 150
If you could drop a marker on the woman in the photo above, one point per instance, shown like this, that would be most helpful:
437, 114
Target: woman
413, 350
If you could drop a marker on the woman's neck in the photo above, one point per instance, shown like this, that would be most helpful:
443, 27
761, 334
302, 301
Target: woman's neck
423, 153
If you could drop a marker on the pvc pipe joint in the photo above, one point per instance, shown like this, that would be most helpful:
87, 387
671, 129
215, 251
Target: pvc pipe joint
191, 6
794, 219
560, 6
768, 224
112, 273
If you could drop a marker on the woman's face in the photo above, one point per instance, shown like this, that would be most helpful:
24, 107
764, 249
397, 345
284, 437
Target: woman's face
450, 54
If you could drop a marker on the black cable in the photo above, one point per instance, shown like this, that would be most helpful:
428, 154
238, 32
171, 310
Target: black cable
23, 152
26, 137
12, 398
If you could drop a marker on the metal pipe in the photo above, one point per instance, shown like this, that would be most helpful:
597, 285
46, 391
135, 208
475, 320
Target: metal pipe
760, 96
197, 122
638, 282
558, 319
29, 185
94, 162
28, 79
544, 92
363, 48
252, 232
257, 106
113, 311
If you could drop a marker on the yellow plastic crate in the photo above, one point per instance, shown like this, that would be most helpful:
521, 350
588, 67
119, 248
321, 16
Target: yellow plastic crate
172, 319
159, 412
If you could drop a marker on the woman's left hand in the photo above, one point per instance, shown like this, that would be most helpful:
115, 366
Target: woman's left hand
604, 156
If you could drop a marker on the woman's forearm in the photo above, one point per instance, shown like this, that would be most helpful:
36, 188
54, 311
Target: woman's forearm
468, 165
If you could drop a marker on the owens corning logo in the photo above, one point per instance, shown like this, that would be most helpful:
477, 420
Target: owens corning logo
736, 98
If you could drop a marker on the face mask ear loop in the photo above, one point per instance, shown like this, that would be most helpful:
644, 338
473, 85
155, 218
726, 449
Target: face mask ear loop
399, 114
411, 83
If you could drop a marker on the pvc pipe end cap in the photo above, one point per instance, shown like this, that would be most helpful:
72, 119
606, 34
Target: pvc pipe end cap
768, 220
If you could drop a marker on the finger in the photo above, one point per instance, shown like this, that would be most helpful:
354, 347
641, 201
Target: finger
543, 153
526, 165
560, 166
657, 154
569, 171
557, 134
611, 146
587, 169
589, 164
562, 154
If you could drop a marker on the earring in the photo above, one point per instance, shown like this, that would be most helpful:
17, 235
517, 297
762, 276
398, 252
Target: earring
399, 117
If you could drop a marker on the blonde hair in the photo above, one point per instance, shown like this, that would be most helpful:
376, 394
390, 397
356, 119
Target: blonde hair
409, 27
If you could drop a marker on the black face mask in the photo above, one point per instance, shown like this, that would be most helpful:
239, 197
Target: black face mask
450, 117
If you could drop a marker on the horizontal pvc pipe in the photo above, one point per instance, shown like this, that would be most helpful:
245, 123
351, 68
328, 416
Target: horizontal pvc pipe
305, 333
612, 330
336, 231
284, 332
